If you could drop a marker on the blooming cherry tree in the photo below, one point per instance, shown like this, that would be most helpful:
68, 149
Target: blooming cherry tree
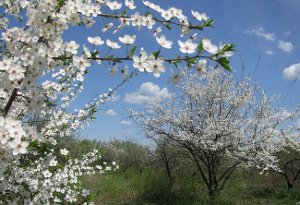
221, 123
42, 73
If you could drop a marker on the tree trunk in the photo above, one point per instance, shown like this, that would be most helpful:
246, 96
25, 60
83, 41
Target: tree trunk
290, 186
212, 190
169, 175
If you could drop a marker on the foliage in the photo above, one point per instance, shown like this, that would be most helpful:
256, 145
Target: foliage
151, 185
245, 188
128, 154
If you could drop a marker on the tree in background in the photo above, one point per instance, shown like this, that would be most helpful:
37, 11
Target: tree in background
288, 157
171, 157
289, 165
128, 154
223, 125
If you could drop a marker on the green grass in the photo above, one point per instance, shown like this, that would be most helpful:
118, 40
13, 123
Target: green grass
151, 188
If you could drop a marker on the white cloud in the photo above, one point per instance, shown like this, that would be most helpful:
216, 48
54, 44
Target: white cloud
260, 32
111, 112
286, 47
292, 72
147, 93
269, 52
125, 122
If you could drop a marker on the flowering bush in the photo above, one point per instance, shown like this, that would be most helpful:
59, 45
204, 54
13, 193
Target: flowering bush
41, 73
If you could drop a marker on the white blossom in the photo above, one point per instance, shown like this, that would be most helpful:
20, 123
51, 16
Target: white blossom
155, 65
209, 47
127, 39
95, 41
188, 46
72, 47
81, 62
64, 151
200, 16
163, 42
201, 67
112, 44
18, 146
114, 5
130, 4
140, 63
148, 21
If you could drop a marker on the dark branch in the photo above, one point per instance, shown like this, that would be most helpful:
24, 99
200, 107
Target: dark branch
10, 102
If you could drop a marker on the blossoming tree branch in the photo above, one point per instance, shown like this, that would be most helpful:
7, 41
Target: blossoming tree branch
42, 73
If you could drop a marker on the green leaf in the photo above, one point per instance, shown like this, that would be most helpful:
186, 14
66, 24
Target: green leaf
227, 48
132, 50
59, 4
190, 61
156, 54
200, 47
224, 62
124, 13
208, 23
94, 54
33, 144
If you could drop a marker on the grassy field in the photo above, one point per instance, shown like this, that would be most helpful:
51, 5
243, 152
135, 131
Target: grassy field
151, 188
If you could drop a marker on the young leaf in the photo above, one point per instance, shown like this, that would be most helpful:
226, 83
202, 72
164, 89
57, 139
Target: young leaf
200, 47
132, 50
224, 62
156, 54
94, 54
205, 24
124, 13
208, 23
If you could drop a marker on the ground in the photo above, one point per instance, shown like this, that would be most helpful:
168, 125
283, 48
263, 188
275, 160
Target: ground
150, 187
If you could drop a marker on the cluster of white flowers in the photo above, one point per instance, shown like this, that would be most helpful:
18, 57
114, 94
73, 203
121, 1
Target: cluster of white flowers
12, 136
51, 182
41, 74
215, 114
149, 63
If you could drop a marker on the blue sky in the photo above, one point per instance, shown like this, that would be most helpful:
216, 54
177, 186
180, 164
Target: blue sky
266, 33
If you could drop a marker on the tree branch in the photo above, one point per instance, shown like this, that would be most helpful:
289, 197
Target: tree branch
10, 102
